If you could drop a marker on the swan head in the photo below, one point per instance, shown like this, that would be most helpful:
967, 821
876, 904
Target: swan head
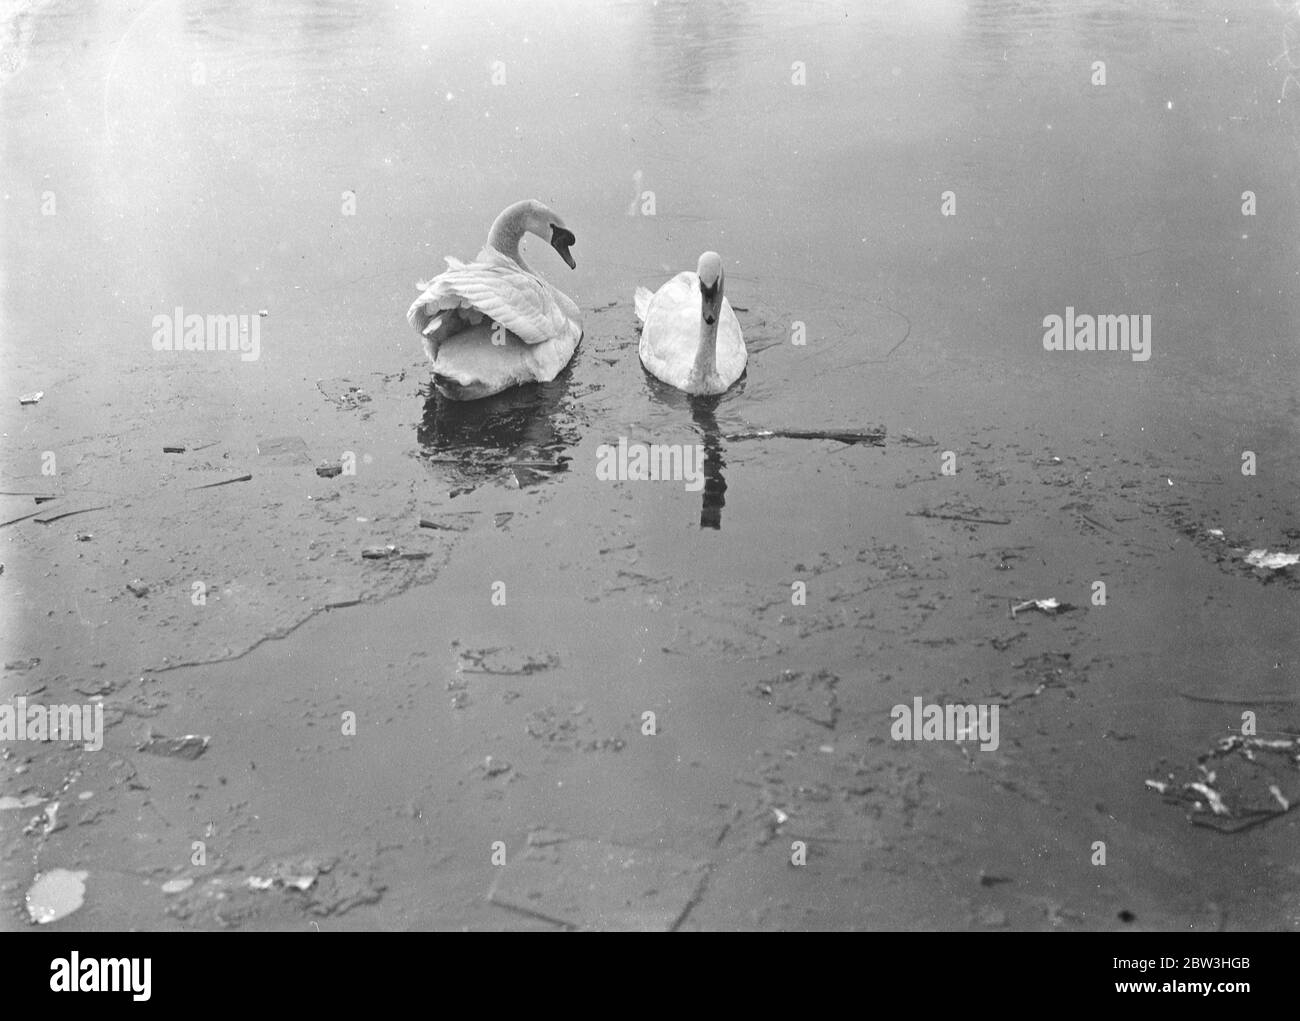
532, 217
548, 226
710, 273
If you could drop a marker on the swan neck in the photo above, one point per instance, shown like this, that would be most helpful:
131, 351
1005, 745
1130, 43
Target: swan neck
508, 230
706, 353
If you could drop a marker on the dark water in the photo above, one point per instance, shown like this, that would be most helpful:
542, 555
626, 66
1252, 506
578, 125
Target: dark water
199, 155
315, 159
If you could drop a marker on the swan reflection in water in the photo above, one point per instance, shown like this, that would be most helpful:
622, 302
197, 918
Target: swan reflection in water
703, 410
524, 432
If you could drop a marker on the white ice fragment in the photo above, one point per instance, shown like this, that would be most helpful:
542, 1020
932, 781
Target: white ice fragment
1274, 561
56, 894
1046, 605
1212, 796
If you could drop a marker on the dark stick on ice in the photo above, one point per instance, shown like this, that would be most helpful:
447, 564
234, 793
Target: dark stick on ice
223, 482
47, 518
875, 437
959, 517
14, 521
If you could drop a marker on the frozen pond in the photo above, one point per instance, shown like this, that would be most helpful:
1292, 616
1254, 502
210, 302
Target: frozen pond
903, 195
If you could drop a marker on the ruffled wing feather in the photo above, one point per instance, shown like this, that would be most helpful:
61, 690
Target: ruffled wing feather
498, 287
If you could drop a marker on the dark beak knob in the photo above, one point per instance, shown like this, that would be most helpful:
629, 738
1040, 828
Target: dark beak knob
561, 239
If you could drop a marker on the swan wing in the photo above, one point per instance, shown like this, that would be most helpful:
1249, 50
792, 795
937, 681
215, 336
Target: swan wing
499, 288
641, 298
730, 356
671, 334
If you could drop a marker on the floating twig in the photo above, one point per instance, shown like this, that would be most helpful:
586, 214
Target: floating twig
875, 437
958, 517
463, 462
223, 482
14, 521
1257, 700
1096, 524
45, 519
454, 527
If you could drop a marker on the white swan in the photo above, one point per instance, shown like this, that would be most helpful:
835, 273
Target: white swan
494, 323
690, 338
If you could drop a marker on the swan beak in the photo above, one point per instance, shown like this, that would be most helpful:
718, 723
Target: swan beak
710, 302
561, 239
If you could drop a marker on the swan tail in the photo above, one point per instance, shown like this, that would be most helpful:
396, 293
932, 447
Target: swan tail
642, 301
436, 325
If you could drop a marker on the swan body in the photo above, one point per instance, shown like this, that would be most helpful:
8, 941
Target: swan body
494, 323
690, 337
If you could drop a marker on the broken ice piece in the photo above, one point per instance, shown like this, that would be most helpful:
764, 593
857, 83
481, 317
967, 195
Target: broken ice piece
1216, 532
56, 894
592, 885
1048, 606
31, 398
1211, 796
781, 817
1157, 786
1274, 561
1281, 798
8, 801
379, 552
191, 746
45, 824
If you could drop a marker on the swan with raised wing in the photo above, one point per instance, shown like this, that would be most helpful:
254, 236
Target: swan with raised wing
495, 323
